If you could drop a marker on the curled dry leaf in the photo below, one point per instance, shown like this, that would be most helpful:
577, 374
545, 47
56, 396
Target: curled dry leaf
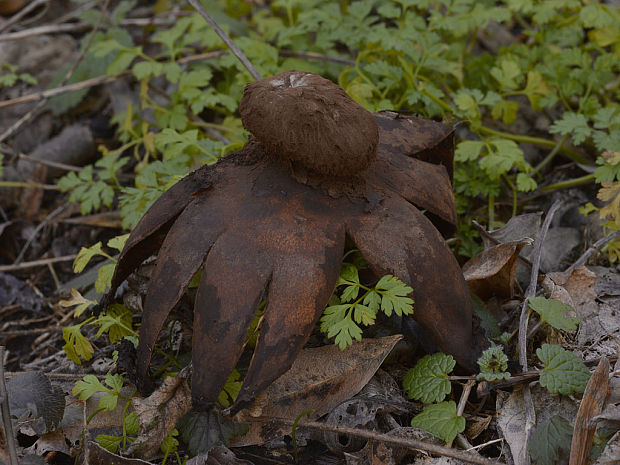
319, 380
592, 404
493, 271
259, 221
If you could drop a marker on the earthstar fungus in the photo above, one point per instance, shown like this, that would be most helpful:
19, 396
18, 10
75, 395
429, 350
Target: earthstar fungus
273, 218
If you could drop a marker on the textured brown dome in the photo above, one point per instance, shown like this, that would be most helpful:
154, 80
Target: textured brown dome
308, 119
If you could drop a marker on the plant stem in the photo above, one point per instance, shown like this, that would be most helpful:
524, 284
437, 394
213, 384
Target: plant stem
552, 154
569, 183
570, 153
231, 45
7, 423
33, 185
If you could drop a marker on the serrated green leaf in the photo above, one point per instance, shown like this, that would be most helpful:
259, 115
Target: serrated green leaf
505, 155
549, 438
394, 296
172, 71
104, 277
76, 345
87, 387
84, 256
572, 123
145, 69
170, 445
525, 183
506, 73
428, 380
364, 315
564, 372
108, 402
121, 62
441, 420
467, 105
554, 312
110, 443
115, 382
468, 150
372, 300
506, 110
116, 321
132, 425
349, 293
493, 364
118, 242
78, 301
231, 390
348, 274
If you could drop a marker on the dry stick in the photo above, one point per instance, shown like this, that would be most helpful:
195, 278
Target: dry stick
34, 263
53, 164
316, 56
403, 442
227, 40
105, 79
461, 439
19, 15
35, 233
80, 27
31, 114
530, 414
96, 81
588, 253
6, 414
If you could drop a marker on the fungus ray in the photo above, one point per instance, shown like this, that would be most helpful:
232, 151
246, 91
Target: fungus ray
397, 239
180, 257
299, 290
148, 235
233, 282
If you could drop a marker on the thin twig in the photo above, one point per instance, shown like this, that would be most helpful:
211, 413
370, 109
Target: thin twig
6, 414
80, 27
374, 436
21, 121
588, 253
41, 225
227, 40
96, 81
316, 56
530, 414
30, 332
24, 11
35, 263
32, 113
52, 164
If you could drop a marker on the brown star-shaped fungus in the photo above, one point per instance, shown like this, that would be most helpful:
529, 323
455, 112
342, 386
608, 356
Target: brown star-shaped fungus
273, 218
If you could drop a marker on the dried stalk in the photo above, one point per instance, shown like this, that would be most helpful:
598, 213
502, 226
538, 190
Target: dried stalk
385, 438
530, 414
6, 414
227, 40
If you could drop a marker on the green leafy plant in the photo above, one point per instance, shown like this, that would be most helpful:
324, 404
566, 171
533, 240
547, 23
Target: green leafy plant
359, 304
428, 380
550, 439
553, 312
564, 372
90, 386
9, 76
493, 364
441, 420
